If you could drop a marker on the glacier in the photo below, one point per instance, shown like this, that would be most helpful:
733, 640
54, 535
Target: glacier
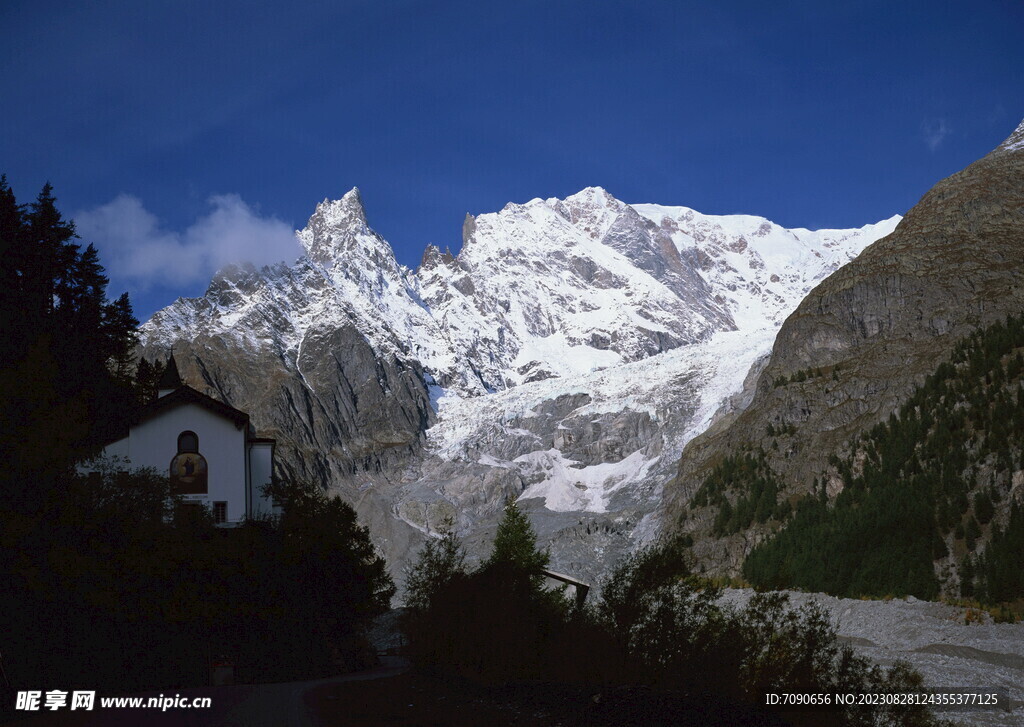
564, 357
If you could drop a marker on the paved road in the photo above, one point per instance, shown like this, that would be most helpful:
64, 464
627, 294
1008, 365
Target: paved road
244, 705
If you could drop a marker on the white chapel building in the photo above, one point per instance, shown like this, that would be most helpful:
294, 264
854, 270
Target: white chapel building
209, 450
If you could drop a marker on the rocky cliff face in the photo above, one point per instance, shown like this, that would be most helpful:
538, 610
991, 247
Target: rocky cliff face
564, 357
869, 333
306, 350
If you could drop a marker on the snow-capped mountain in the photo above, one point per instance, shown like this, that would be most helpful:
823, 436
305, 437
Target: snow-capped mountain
560, 287
547, 288
758, 269
564, 357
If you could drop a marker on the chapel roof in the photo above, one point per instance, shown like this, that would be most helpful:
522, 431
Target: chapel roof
184, 394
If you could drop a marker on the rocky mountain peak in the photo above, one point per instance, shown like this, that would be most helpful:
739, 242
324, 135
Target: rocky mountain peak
468, 228
433, 257
593, 210
350, 206
345, 212
339, 238
593, 197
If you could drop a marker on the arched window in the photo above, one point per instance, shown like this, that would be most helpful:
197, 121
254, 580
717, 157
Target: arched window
188, 468
188, 442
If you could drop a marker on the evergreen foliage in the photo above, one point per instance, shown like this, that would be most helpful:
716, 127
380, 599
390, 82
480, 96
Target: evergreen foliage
753, 487
439, 563
515, 544
147, 379
496, 622
929, 474
805, 375
1000, 575
65, 366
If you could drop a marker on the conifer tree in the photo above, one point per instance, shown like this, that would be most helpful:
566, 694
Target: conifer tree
439, 563
67, 350
515, 544
11, 233
147, 378
119, 328
50, 254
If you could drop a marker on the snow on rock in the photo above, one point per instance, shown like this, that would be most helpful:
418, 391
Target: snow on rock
555, 287
546, 289
565, 356
567, 486
1015, 141
760, 270
679, 392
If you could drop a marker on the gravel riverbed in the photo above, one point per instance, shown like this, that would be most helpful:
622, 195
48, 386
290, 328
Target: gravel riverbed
935, 639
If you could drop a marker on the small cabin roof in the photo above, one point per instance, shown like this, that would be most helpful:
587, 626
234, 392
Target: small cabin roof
564, 578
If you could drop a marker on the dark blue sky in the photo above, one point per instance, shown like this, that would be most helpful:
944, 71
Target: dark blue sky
162, 125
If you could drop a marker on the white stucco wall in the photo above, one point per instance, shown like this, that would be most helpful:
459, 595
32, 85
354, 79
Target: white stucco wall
155, 442
118, 450
261, 465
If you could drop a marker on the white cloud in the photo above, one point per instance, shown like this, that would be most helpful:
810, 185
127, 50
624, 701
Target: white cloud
138, 252
935, 132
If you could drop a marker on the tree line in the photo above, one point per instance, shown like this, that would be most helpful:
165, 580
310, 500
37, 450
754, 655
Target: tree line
921, 489
659, 645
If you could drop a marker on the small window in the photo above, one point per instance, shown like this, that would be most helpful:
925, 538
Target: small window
220, 512
188, 442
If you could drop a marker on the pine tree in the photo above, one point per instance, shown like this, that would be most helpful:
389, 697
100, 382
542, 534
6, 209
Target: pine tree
11, 250
49, 254
66, 357
515, 544
119, 329
439, 563
147, 377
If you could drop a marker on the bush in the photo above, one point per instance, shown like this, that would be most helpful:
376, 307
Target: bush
495, 623
678, 636
656, 626
115, 591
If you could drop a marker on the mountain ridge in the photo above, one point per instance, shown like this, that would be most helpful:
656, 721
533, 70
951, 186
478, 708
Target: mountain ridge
873, 330
542, 349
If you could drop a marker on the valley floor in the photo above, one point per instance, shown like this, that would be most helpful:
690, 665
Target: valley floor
935, 639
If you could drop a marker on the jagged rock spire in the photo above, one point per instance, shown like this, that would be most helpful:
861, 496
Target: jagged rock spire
352, 204
433, 256
339, 239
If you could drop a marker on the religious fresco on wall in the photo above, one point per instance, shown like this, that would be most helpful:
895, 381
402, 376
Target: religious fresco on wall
188, 474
